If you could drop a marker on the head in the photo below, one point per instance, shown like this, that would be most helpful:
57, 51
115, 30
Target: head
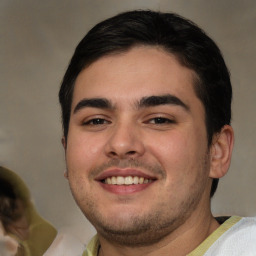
145, 105
12, 210
174, 34
8, 203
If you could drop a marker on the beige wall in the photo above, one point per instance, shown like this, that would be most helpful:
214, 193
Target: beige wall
37, 41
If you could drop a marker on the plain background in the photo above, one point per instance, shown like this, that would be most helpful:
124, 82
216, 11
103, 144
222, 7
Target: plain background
37, 41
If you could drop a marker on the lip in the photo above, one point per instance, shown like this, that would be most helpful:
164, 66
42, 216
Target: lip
124, 189
123, 173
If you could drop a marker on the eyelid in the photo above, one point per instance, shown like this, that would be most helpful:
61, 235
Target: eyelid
88, 119
94, 119
159, 115
168, 120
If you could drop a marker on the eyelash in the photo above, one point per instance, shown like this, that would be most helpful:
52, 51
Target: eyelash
156, 121
96, 121
161, 120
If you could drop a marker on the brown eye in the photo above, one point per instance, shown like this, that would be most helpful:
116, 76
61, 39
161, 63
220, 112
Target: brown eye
160, 120
96, 121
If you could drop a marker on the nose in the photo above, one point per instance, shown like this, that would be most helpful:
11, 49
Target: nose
125, 142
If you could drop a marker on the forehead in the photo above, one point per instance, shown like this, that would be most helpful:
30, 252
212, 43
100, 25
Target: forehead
139, 72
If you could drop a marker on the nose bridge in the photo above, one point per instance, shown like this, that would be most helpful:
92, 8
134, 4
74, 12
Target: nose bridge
125, 139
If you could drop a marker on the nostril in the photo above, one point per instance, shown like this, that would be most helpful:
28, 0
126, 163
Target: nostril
131, 153
112, 153
127, 154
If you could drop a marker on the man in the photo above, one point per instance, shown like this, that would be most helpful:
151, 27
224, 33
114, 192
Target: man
146, 116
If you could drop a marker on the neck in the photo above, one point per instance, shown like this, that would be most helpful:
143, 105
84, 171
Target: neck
180, 242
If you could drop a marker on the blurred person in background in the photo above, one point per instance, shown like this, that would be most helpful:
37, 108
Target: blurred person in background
22, 231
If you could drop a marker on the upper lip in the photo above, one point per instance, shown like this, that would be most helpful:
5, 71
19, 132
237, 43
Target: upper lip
123, 172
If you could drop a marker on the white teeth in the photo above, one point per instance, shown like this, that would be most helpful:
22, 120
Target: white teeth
120, 180
113, 180
128, 180
141, 180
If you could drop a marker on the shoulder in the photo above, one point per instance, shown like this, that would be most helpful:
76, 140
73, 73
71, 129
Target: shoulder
238, 240
65, 244
93, 247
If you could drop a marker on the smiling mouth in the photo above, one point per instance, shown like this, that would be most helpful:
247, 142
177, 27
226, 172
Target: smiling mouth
128, 180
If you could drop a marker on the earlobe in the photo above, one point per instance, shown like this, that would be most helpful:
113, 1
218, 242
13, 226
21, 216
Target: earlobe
221, 150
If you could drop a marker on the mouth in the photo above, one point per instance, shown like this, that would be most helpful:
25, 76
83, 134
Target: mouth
127, 180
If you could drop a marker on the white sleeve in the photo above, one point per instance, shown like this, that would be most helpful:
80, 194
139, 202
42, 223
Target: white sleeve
65, 245
239, 240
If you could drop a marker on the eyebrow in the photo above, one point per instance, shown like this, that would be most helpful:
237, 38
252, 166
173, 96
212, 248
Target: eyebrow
166, 99
93, 103
150, 101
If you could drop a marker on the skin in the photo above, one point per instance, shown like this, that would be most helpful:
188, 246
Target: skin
166, 143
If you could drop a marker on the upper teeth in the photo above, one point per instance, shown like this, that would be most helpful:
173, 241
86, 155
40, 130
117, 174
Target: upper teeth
129, 180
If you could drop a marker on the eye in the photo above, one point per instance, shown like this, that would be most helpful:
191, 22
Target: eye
96, 121
160, 120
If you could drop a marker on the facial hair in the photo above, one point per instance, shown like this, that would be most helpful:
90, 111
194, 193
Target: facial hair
153, 226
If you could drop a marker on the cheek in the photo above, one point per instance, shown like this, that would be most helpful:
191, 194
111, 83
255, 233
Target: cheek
83, 150
180, 154
171, 149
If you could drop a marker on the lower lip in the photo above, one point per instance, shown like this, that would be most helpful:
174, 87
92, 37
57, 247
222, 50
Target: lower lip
125, 189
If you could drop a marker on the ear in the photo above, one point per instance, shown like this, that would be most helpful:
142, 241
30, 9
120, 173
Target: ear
63, 142
66, 174
221, 151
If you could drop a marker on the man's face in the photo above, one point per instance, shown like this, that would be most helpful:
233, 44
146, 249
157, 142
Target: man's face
136, 121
